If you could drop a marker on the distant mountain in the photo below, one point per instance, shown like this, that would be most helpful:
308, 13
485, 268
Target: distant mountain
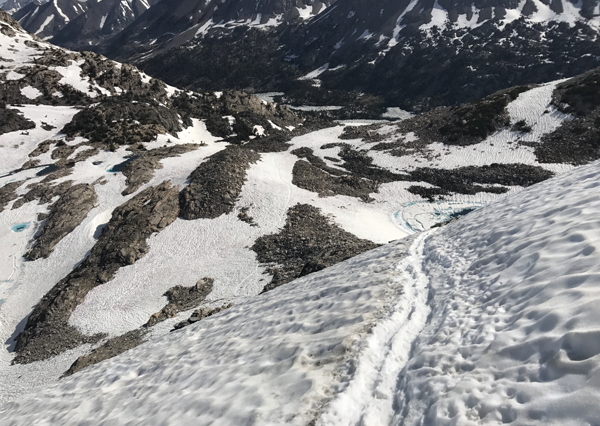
101, 20
417, 54
11, 6
80, 24
44, 20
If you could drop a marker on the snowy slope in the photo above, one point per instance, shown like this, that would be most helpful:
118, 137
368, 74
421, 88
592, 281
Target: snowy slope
508, 334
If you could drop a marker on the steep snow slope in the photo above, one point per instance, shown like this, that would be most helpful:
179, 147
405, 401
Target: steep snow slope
508, 334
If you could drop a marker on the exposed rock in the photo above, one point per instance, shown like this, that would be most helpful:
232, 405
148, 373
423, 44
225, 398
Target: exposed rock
8, 193
575, 141
141, 169
200, 314
181, 299
311, 178
307, 243
123, 241
216, 184
245, 217
366, 133
465, 124
12, 120
42, 148
121, 122
113, 347
65, 215
474, 179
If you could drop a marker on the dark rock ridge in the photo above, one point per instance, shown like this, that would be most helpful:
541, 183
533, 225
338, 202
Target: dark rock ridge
200, 314
576, 141
8, 193
65, 215
466, 124
307, 243
474, 179
12, 120
216, 184
314, 179
140, 170
102, 73
123, 241
119, 122
113, 347
181, 299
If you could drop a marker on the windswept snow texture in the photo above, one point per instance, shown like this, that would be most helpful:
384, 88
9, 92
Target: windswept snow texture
490, 320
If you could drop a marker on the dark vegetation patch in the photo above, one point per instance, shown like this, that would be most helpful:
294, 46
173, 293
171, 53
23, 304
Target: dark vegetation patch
140, 169
216, 184
122, 242
575, 141
307, 243
200, 314
466, 124
113, 347
12, 120
65, 215
115, 122
181, 299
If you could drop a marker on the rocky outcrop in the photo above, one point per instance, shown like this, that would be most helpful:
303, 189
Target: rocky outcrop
65, 215
141, 169
123, 241
575, 141
181, 299
8, 193
113, 347
12, 120
117, 122
314, 179
465, 124
200, 314
216, 183
473, 179
307, 243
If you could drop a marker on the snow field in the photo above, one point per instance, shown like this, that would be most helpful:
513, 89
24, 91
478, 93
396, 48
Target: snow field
532, 106
220, 249
22, 284
515, 325
274, 359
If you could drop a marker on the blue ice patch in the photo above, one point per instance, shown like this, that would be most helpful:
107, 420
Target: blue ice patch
20, 227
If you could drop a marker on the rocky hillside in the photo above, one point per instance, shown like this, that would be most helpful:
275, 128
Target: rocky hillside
129, 208
417, 54
11, 6
79, 25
